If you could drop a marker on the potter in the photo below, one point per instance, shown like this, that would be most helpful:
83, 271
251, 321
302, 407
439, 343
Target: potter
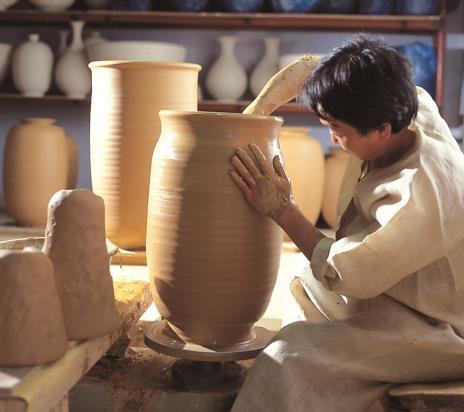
395, 271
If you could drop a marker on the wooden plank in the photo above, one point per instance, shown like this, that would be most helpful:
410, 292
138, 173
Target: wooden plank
213, 20
42, 386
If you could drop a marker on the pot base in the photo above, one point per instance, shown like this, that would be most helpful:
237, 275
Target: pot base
159, 337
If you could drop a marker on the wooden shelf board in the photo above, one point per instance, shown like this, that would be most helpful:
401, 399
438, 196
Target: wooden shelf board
205, 105
277, 21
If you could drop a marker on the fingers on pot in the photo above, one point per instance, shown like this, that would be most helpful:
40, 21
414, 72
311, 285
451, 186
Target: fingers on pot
260, 159
279, 168
247, 163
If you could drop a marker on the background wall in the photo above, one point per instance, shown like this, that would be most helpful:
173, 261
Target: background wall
203, 49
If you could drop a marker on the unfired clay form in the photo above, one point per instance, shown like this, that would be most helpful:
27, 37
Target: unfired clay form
124, 128
75, 242
35, 166
212, 260
31, 323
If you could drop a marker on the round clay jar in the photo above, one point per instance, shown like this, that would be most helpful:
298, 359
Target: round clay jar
35, 167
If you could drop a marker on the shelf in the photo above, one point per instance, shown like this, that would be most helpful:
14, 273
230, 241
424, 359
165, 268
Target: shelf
274, 21
204, 105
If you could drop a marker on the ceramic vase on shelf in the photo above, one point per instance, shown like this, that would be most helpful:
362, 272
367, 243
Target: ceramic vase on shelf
72, 75
32, 67
52, 5
226, 80
124, 128
73, 161
212, 260
267, 67
304, 164
35, 167
335, 167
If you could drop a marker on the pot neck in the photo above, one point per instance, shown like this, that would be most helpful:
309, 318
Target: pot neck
272, 46
77, 27
227, 44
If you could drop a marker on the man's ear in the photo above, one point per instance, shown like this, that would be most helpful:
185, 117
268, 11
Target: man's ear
385, 131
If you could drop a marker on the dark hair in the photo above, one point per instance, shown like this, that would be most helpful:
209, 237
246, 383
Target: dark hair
364, 83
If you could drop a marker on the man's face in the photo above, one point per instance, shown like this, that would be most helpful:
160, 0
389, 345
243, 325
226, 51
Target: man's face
366, 147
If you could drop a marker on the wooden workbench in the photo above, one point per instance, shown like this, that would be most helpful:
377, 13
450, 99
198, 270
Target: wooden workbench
44, 388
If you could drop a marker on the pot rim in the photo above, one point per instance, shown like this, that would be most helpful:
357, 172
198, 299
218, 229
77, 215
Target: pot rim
133, 64
184, 113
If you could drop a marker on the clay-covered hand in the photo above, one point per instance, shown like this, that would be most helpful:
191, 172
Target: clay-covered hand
266, 186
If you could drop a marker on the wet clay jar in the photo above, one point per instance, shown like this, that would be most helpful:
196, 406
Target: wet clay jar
124, 128
35, 166
212, 260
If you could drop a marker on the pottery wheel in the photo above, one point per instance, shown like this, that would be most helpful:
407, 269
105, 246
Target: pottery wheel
159, 337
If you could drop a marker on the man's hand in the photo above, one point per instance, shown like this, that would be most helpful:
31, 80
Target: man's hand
265, 186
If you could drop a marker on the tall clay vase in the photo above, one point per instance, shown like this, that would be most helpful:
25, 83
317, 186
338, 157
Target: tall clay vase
32, 66
72, 75
226, 80
212, 260
335, 167
267, 67
124, 128
35, 167
304, 163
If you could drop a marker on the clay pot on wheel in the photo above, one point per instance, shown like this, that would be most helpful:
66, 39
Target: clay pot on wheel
124, 128
35, 166
212, 260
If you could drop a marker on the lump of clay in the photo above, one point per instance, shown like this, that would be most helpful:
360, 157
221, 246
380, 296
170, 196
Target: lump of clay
75, 242
31, 323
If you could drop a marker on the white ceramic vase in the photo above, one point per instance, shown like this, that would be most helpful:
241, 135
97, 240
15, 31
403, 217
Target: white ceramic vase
267, 67
32, 67
72, 75
226, 80
52, 5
